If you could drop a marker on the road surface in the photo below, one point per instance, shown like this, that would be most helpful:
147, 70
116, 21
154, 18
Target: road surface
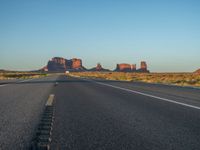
99, 114
21, 105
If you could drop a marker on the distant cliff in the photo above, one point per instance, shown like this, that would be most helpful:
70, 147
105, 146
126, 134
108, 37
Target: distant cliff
143, 67
98, 68
132, 67
125, 67
197, 71
59, 64
62, 64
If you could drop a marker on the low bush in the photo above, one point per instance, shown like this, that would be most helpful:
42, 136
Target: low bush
182, 79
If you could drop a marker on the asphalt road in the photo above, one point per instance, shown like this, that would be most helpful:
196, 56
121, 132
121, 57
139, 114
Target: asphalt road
102, 115
21, 105
108, 115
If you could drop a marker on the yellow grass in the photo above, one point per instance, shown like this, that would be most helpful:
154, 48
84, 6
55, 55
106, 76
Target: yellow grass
181, 79
20, 75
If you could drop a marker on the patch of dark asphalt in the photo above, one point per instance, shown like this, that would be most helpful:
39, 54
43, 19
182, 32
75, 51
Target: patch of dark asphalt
91, 116
20, 107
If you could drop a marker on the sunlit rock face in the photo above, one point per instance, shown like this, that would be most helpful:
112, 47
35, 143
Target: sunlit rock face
197, 71
132, 67
143, 67
98, 68
62, 64
76, 63
125, 67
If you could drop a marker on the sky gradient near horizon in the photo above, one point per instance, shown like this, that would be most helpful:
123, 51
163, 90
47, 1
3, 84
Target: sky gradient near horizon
166, 34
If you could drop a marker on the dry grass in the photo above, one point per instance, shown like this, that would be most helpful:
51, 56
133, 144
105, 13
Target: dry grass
20, 75
181, 79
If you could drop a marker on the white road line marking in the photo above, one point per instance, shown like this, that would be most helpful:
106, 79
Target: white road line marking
144, 94
2, 85
26, 80
149, 95
50, 100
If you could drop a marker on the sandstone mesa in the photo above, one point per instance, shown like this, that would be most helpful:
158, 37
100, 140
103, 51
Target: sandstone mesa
59, 64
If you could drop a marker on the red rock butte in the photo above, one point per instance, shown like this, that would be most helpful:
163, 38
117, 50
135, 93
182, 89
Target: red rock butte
98, 68
197, 71
132, 67
125, 67
62, 64
59, 64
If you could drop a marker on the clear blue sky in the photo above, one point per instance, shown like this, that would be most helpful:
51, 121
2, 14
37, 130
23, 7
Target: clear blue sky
165, 33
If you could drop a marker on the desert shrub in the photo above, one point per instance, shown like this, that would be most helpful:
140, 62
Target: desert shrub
166, 78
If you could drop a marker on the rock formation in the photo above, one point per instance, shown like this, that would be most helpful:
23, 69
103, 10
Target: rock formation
62, 64
197, 71
143, 67
76, 63
59, 64
132, 67
126, 67
98, 68
44, 68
